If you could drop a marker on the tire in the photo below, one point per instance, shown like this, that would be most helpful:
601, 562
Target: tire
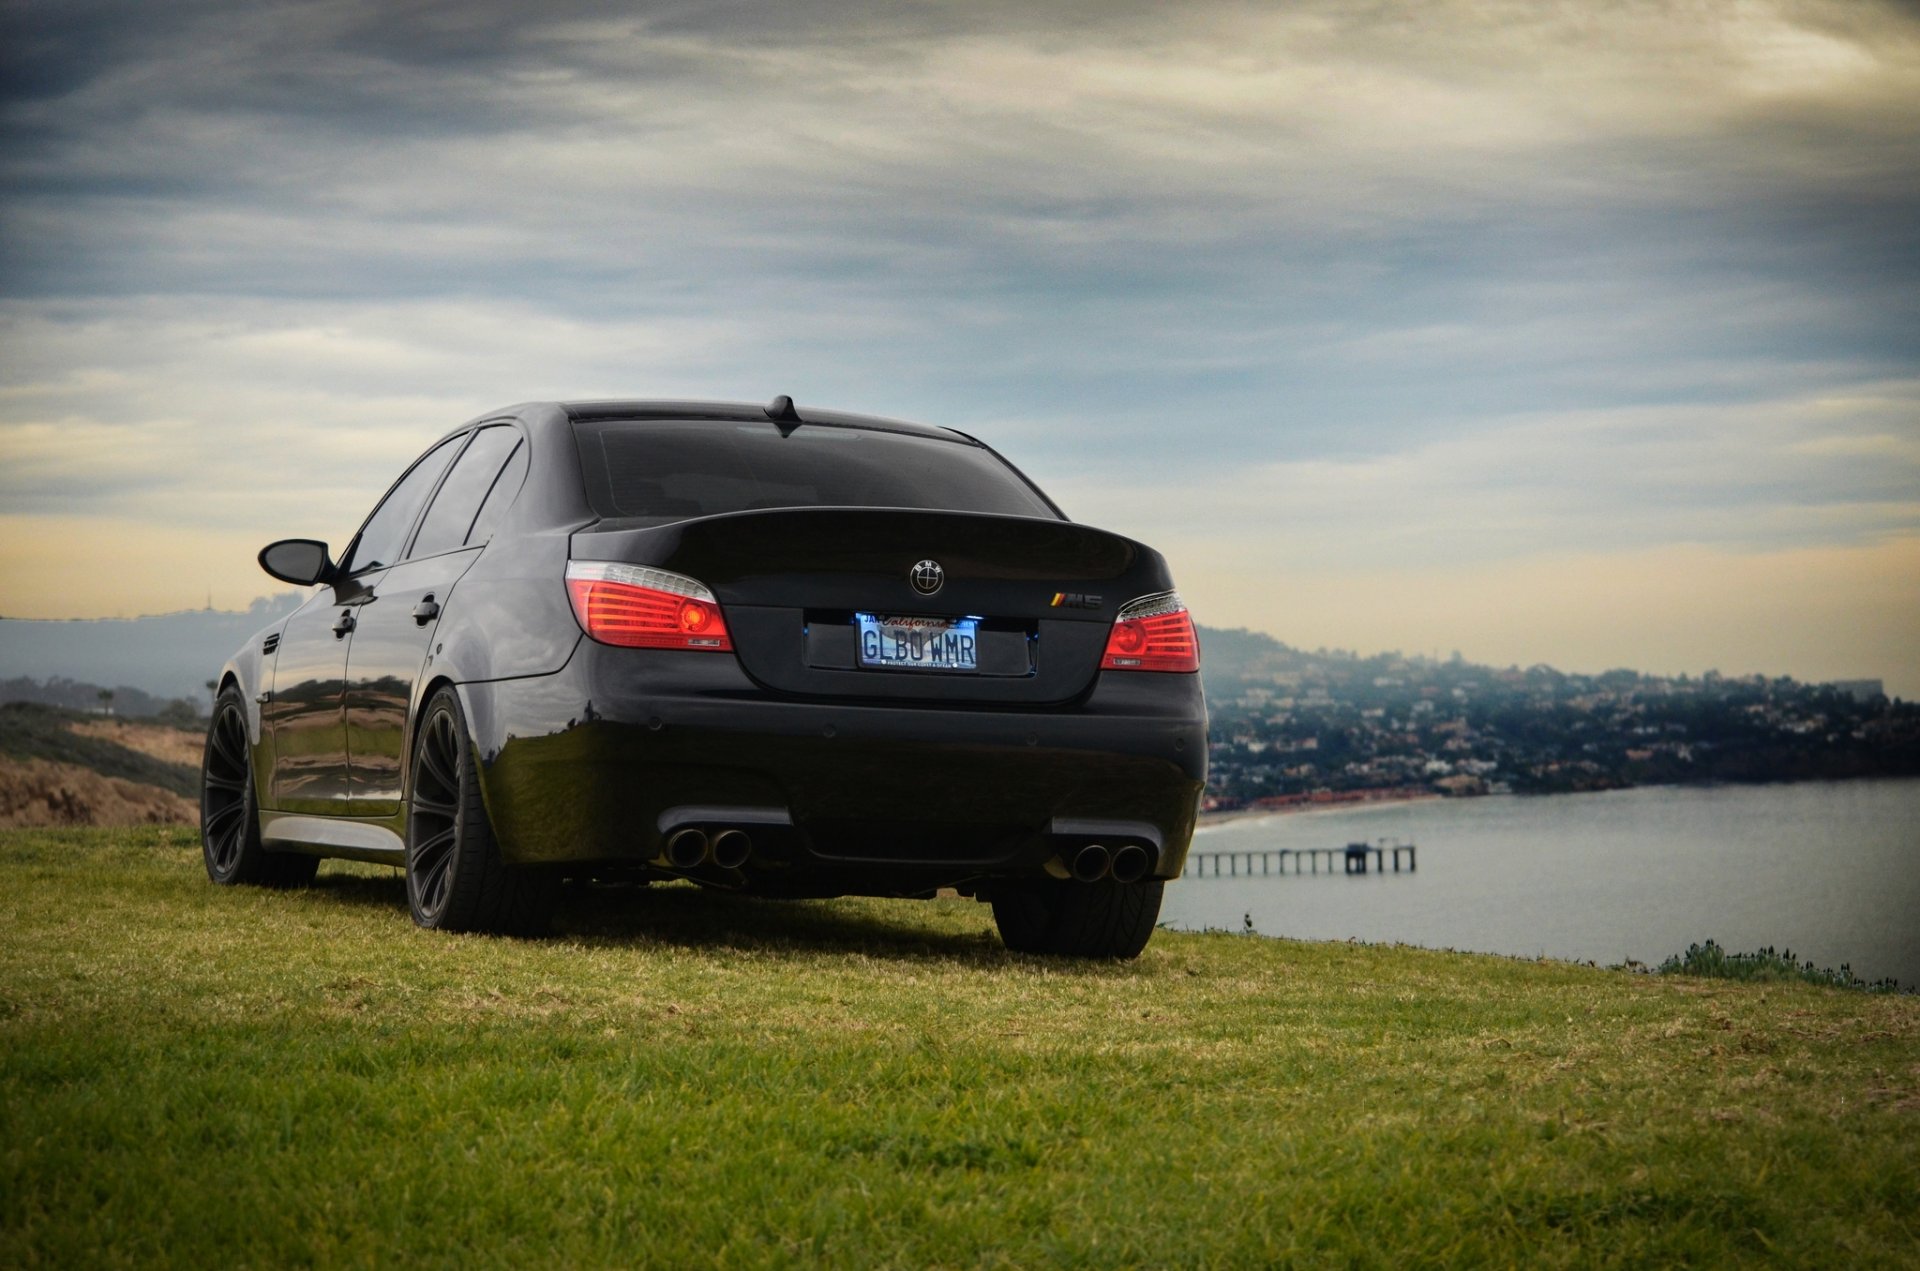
1077, 920
456, 880
230, 842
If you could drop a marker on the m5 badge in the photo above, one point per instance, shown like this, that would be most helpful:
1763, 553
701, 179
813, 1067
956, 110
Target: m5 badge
1075, 600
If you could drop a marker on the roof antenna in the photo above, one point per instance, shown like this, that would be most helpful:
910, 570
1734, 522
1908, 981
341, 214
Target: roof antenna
781, 411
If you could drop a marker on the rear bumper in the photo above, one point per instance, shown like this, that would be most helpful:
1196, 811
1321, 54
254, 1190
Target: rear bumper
592, 764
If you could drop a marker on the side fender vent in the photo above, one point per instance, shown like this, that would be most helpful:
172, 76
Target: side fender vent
273, 642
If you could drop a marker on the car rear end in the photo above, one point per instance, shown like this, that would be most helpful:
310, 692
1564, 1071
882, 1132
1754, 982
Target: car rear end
850, 658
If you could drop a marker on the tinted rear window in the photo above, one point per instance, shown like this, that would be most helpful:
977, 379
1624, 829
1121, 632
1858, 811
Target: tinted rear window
673, 470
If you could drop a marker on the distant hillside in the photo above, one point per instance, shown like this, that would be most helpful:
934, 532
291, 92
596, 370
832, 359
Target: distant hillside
164, 657
128, 702
65, 768
1294, 727
63, 737
1230, 657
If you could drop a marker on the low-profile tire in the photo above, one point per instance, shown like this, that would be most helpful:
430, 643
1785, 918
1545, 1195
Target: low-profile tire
1077, 920
456, 880
229, 820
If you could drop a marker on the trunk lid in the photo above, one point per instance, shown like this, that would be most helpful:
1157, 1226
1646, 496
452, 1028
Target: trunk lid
795, 582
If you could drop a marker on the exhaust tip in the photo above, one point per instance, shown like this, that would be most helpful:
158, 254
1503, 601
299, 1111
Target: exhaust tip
1131, 863
1090, 863
687, 848
731, 848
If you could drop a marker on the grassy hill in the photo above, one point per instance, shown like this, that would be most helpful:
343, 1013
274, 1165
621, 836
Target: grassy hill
32, 731
62, 767
200, 1076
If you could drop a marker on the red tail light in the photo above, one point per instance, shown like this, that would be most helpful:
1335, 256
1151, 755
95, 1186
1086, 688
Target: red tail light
1153, 633
645, 608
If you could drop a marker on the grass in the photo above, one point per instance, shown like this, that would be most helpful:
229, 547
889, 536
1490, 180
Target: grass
29, 730
199, 1076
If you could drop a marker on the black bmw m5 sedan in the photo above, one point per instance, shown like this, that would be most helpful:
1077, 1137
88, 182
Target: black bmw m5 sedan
787, 652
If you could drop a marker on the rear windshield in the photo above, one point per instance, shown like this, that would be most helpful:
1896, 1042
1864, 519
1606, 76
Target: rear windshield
671, 470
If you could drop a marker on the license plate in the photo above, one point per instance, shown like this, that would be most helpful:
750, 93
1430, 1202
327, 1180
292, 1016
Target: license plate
919, 644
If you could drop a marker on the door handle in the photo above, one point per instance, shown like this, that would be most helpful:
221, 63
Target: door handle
343, 624
426, 611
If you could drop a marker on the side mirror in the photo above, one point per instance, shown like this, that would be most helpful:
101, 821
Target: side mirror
297, 560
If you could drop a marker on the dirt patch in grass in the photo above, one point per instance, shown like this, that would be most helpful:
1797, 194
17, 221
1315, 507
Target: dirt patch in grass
35, 793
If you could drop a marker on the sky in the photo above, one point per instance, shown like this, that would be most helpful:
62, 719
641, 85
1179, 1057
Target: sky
1586, 334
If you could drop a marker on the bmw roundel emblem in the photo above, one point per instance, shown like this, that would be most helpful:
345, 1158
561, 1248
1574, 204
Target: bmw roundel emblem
927, 577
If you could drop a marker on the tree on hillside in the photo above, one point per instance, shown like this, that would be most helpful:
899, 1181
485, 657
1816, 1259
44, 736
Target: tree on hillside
106, 701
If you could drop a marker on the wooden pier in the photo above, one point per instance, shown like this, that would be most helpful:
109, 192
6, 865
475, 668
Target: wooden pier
1354, 858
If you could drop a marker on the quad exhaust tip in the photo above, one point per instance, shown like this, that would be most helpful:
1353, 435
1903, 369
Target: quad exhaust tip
1127, 863
1091, 863
1131, 863
687, 849
1087, 850
725, 836
731, 848
690, 847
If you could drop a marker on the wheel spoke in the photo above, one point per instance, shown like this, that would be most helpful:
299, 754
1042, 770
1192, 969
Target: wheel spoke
221, 781
441, 779
425, 805
433, 888
433, 845
437, 762
227, 849
432, 865
217, 815
226, 744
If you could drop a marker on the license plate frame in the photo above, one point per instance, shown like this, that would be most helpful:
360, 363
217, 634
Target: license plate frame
914, 642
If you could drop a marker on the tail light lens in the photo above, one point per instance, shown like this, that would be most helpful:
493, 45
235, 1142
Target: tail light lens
643, 608
1153, 633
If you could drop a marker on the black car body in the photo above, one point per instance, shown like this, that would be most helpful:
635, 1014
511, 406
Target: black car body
799, 655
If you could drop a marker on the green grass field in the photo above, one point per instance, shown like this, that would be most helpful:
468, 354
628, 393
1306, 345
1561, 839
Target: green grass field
202, 1076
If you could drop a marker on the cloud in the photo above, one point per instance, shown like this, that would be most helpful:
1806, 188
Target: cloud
1451, 284
1750, 478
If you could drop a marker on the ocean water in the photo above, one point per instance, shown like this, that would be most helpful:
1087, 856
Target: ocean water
1830, 870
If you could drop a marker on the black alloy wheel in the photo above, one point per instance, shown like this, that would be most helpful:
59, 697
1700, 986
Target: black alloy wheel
1104, 919
229, 824
455, 878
